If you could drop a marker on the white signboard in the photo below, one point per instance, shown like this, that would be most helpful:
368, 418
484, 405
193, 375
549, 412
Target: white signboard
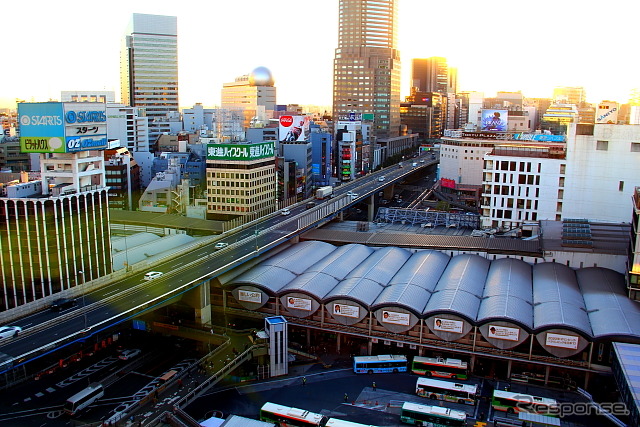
395, 318
299, 303
503, 333
249, 296
562, 341
447, 325
346, 310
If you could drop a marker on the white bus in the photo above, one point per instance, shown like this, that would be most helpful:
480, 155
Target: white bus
445, 390
519, 402
285, 416
432, 416
379, 364
84, 398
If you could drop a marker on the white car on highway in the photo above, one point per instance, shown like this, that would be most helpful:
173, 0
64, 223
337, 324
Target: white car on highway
9, 331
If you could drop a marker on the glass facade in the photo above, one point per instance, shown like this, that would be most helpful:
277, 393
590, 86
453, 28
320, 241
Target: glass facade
366, 75
149, 65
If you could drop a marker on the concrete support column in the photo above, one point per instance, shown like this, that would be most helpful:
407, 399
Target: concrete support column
547, 369
472, 363
369, 347
586, 380
308, 338
509, 365
200, 299
371, 209
338, 342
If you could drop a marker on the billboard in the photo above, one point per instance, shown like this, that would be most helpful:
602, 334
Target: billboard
62, 127
447, 325
395, 318
249, 296
504, 333
562, 341
242, 152
495, 120
294, 128
299, 303
346, 310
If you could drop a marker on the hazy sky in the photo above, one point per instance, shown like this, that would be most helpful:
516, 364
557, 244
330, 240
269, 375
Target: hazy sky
496, 45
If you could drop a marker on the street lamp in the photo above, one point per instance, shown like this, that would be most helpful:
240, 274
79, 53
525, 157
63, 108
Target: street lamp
84, 311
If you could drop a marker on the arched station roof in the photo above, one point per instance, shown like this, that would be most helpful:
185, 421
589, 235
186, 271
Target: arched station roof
545, 296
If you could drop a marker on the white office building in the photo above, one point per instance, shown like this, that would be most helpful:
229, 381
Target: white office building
602, 171
522, 183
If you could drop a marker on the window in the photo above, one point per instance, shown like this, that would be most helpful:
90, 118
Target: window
621, 186
602, 145
635, 147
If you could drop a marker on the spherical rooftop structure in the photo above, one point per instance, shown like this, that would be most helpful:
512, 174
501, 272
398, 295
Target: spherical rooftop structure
261, 76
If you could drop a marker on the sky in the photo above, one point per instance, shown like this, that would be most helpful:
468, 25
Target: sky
497, 46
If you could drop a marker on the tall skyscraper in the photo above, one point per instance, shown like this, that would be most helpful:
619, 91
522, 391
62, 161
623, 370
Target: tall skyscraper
434, 75
366, 67
149, 68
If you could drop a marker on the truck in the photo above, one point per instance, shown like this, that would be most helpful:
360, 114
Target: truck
324, 192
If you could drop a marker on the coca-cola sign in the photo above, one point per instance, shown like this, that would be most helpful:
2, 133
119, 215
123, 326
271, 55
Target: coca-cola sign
286, 121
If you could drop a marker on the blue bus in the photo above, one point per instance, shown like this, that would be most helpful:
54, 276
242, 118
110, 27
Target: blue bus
379, 364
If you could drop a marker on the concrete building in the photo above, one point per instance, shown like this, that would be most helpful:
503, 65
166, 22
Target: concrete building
149, 69
252, 94
123, 178
241, 180
129, 127
434, 75
424, 113
56, 233
522, 183
104, 96
601, 171
366, 67
301, 154
197, 118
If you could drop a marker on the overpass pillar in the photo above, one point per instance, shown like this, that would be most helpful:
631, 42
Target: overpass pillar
371, 208
200, 299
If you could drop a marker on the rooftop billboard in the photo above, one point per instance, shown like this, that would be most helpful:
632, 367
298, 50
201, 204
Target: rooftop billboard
62, 127
294, 128
241, 152
495, 120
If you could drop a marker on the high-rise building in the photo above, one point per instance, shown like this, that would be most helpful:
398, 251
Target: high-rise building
434, 75
254, 94
366, 67
423, 113
149, 68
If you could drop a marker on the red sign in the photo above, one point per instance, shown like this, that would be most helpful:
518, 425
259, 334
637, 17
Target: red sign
449, 183
286, 121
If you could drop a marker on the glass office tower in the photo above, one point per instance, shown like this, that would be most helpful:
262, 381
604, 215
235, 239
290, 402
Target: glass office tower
366, 73
149, 68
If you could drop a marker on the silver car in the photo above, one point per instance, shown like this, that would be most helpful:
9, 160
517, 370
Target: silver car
9, 331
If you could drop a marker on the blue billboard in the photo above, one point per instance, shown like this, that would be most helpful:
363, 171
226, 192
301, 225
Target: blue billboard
62, 127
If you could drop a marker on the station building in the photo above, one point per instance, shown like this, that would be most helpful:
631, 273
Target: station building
505, 316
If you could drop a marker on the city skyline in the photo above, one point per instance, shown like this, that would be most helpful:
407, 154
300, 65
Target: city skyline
519, 56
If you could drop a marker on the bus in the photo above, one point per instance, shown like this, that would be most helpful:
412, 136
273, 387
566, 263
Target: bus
432, 416
285, 416
454, 369
518, 402
379, 364
445, 390
84, 398
334, 422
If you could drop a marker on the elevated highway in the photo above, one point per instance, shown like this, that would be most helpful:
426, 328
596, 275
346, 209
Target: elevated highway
128, 296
